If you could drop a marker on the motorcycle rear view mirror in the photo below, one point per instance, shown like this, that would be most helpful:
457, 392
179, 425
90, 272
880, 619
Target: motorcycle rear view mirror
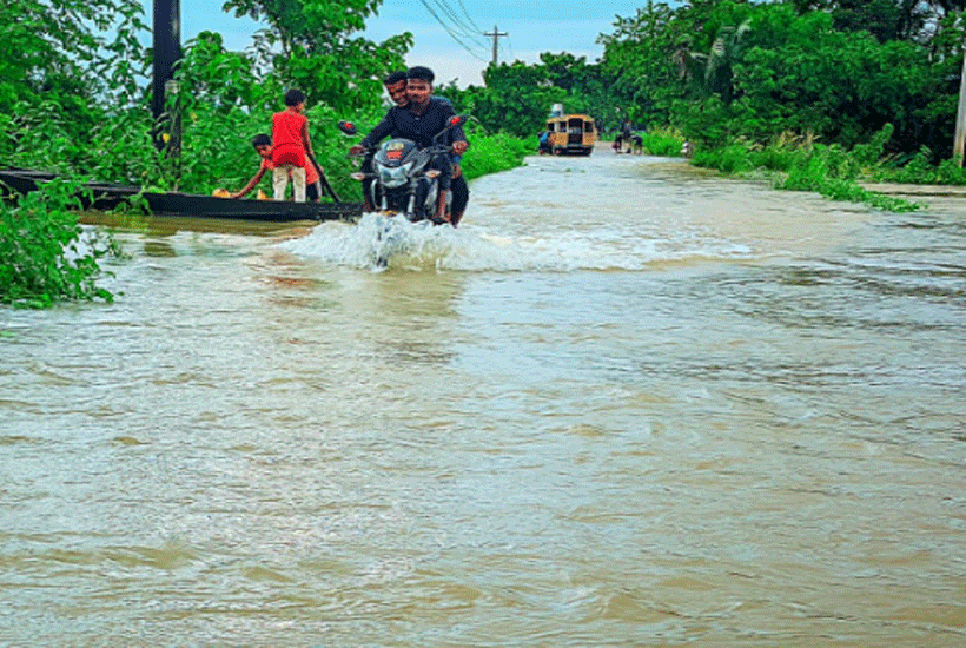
454, 122
347, 127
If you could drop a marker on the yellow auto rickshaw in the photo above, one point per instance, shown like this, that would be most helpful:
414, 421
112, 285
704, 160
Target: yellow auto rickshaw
571, 134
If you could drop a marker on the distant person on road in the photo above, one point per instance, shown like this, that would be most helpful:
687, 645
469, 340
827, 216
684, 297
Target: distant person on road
544, 142
626, 133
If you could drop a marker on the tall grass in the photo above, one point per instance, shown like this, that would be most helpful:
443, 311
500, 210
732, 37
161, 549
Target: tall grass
798, 165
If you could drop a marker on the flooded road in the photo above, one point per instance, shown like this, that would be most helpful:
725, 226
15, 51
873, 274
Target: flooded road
628, 404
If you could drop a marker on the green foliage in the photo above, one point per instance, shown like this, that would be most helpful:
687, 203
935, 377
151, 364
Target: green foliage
756, 85
517, 96
735, 158
834, 71
42, 257
830, 171
493, 153
73, 97
662, 142
308, 44
920, 170
65, 66
522, 111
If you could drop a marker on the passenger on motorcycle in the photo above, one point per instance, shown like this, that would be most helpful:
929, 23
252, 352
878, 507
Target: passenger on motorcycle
424, 117
395, 85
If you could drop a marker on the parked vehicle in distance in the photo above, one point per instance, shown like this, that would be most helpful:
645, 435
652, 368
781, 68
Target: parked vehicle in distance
573, 134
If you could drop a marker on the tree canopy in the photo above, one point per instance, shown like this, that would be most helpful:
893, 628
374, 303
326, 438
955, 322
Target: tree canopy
836, 71
74, 97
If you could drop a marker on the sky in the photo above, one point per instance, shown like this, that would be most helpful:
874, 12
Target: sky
451, 42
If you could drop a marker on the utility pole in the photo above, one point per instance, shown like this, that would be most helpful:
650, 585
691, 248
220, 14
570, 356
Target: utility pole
167, 52
496, 34
959, 139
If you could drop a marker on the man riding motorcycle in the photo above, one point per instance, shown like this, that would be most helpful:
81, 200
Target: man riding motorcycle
424, 117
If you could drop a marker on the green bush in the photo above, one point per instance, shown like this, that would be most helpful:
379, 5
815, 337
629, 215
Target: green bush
736, 158
919, 170
494, 153
832, 171
41, 255
662, 142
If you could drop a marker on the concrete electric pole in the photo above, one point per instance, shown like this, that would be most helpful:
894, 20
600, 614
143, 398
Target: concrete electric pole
959, 139
495, 34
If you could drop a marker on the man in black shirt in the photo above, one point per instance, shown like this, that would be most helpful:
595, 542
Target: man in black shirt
395, 85
421, 120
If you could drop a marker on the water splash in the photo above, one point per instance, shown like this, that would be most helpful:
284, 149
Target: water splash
380, 243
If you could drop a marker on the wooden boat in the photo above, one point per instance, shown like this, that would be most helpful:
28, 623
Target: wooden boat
106, 197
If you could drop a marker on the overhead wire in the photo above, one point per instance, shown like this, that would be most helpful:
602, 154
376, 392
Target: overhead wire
468, 17
449, 30
466, 31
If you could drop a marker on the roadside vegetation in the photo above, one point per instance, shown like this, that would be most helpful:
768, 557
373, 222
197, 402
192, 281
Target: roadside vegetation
45, 256
73, 100
821, 95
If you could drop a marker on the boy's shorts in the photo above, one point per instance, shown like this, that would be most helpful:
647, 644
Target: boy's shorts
312, 191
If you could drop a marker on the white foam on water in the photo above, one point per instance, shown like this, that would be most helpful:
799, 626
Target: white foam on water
376, 242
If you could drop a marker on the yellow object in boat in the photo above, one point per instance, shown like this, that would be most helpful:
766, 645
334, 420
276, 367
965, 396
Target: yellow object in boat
220, 193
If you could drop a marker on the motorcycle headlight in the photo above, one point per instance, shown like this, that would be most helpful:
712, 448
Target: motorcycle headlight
394, 177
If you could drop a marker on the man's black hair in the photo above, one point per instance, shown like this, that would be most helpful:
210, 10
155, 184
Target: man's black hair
394, 78
294, 97
421, 73
261, 140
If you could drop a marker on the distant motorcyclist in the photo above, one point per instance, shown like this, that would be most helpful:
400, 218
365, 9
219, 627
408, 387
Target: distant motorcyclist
421, 120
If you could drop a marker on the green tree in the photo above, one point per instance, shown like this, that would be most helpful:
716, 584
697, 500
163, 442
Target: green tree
309, 44
836, 71
516, 99
64, 68
518, 96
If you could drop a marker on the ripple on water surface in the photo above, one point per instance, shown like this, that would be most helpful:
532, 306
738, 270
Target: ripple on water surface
749, 434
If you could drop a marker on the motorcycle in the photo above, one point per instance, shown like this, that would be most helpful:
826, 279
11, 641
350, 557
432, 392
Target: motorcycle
403, 180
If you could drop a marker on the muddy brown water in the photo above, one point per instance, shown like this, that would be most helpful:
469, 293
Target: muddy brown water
627, 404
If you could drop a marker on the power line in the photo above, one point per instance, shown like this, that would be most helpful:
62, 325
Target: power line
465, 31
450, 31
468, 17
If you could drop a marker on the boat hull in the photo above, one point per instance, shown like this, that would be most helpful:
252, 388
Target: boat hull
106, 197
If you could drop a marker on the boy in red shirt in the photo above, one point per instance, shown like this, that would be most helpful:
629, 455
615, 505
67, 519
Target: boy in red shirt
291, 147
263, 146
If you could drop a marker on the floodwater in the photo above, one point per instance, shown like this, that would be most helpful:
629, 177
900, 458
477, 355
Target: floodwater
628, 404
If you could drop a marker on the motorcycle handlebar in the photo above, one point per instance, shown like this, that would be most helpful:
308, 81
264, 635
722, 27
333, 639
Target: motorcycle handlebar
368, 150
